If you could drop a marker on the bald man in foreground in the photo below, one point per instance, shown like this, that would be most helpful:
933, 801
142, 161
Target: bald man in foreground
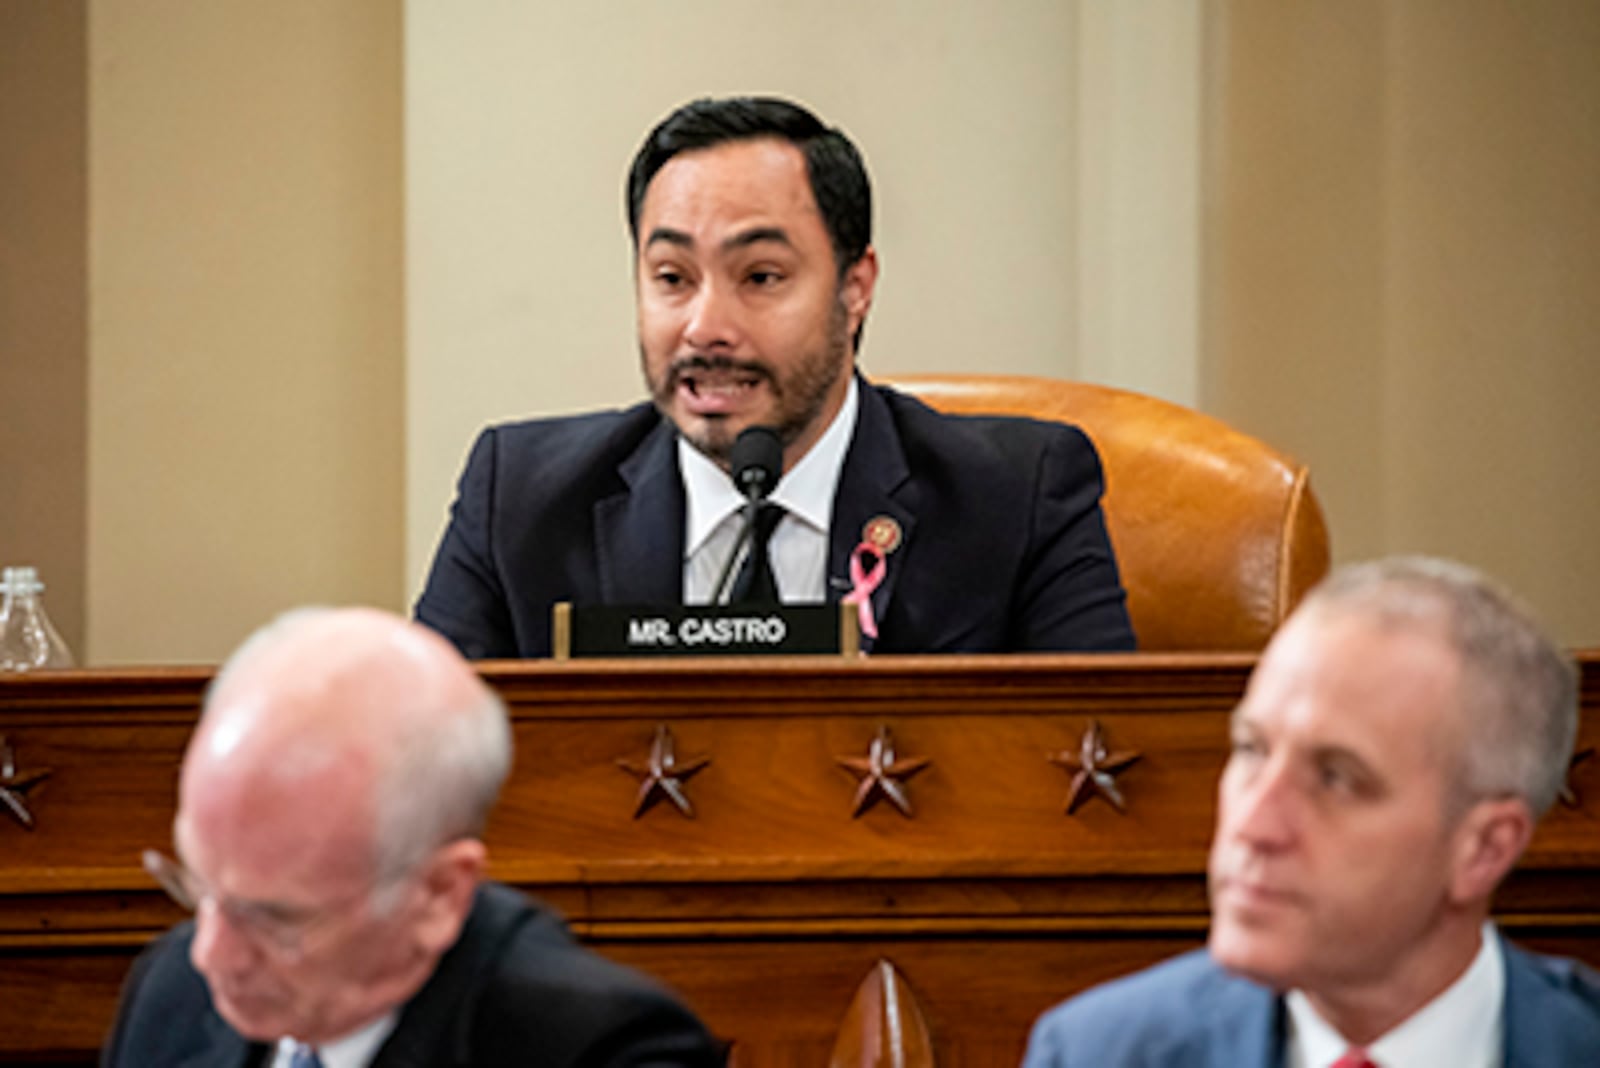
1398, 742
328, 836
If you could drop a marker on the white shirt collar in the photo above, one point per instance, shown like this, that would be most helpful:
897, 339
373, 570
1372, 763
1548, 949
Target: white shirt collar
806, 490
355, 1050
1464, 1026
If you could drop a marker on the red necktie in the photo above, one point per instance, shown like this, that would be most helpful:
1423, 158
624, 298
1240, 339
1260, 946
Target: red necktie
1355, 1057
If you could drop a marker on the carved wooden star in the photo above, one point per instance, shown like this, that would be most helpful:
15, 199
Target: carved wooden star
1095, 769
664, 775
882, 774
1569, 793
14, 785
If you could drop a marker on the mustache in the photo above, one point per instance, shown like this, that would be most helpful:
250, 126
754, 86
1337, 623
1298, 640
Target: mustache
696, 362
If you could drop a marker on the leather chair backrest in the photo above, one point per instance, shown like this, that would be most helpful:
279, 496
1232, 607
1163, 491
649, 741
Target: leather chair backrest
1217, 534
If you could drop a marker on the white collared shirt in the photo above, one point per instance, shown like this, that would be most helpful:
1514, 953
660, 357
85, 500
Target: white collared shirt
355, 1050
1464, 1027
799, 545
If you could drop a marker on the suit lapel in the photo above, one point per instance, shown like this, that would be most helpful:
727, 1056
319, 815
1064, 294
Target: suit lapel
873, 483
1264, 1040
1521, 1003
639, 531
1249, 1032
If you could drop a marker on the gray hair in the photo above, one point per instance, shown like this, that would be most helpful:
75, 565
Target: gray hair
442, 773
1518, 690
440, 785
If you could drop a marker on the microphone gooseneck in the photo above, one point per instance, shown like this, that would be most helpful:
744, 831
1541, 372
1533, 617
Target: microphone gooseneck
756, 462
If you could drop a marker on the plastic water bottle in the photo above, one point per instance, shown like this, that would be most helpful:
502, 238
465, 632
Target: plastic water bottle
28, 640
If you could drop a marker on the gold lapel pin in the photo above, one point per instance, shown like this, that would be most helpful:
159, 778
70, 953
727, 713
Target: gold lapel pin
882, 532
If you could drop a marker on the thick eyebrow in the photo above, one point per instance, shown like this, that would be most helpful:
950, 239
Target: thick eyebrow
745, 238
669, 236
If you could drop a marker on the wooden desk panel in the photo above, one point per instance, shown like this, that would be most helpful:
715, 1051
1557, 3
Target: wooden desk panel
770, 905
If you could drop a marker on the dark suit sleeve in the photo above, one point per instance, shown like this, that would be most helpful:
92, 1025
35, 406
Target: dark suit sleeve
114, 1054
656, 1034
464, 599
1070, 596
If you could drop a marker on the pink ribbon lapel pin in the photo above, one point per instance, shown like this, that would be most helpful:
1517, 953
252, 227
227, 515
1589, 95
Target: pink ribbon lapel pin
869, 563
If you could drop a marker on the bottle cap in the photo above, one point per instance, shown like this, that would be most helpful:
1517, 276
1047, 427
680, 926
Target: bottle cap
21, 580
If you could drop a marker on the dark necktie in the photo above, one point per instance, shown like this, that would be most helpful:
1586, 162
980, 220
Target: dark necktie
755, 582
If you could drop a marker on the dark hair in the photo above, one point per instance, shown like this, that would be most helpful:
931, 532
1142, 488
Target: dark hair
838, 178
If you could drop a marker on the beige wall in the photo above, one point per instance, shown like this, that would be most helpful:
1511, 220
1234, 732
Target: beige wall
1403, 260
245, 368
43, 300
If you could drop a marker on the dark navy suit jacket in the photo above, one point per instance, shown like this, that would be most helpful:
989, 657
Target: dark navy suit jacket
1189, 1013
1004, 544
514, 990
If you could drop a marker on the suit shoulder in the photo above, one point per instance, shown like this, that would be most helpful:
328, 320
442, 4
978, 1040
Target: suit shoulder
573, 1004
162, 988
1551, 998
1152, 992
539, 953
1166, 1014
614, 432
163, 976
546, 465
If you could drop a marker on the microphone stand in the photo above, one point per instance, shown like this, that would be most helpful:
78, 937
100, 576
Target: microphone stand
745, 530
756, 464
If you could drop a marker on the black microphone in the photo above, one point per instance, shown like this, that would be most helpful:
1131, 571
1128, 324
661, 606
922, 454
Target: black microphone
756, 461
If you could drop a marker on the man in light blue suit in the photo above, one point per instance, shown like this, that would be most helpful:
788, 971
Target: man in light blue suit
1399, 741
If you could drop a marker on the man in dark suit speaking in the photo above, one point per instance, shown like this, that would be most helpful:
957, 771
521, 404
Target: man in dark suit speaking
1402, 735
754, 267
329, 812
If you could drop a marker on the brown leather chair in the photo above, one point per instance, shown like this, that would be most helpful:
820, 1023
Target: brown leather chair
1217, 534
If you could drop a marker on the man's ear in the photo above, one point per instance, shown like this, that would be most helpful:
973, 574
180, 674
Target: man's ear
855, 291
1491, 836
449, 880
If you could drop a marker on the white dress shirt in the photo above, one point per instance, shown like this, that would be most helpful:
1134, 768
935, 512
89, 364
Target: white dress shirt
799, 545
355, 1050
1464, 1027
